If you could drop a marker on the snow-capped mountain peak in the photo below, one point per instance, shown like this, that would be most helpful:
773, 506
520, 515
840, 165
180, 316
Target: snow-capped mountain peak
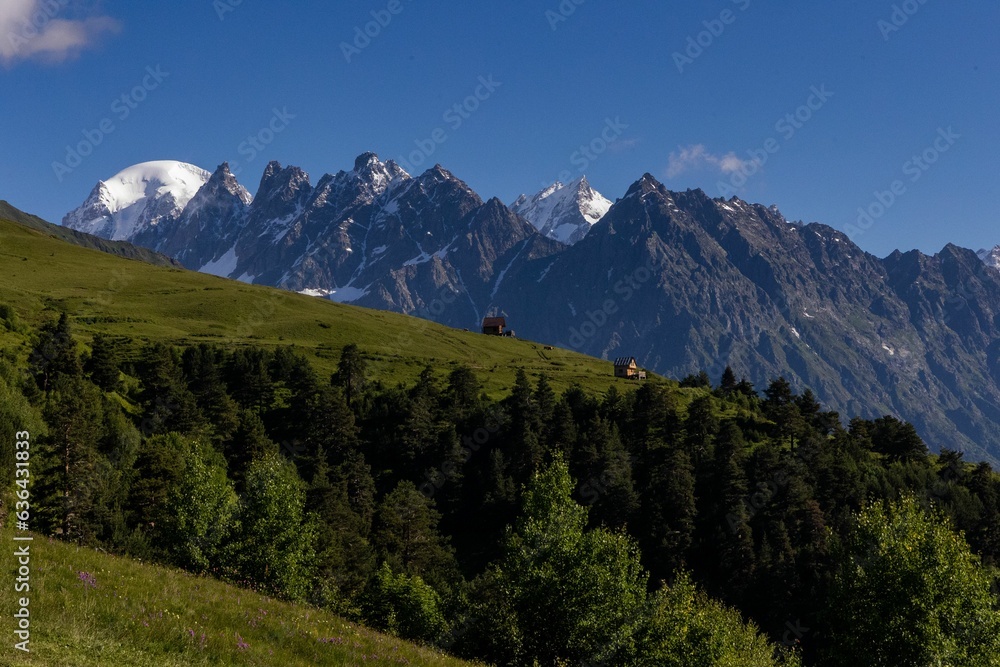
990, 257
564, 212
137, 198
379, 175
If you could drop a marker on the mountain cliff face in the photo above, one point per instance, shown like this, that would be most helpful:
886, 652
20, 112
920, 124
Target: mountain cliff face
684, 282
679, 280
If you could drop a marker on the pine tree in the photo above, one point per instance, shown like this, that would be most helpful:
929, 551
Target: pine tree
700, 426
71, 463
326, 429
727, 383
781, 407
249, 379
897, 440
168, 405
545, 402
248, 442
203, 374
160, 466
104, 361
407, 537
669, 512
54, 354
351, 372
462, 397
344, 558
727, 539
604, 469
523, 444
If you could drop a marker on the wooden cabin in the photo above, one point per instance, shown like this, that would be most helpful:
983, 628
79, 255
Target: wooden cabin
626, 367
494, 326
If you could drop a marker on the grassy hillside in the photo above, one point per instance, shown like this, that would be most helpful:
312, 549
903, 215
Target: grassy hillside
119, 248
118, 296
91, 609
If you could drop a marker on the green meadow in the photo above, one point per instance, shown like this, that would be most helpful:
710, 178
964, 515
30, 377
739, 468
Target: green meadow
102, 293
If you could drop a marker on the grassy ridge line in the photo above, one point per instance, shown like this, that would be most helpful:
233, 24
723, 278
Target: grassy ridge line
142, 615
117, 296
119, 248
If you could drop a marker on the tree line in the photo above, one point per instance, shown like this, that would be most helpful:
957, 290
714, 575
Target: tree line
684, 523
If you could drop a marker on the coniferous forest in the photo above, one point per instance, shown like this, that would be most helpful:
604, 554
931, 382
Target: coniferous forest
706, 522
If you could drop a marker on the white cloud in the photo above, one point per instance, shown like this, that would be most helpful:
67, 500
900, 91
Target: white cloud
698, 157
37, 29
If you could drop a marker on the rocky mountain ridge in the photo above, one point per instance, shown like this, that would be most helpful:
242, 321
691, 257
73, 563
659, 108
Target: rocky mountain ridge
681, 281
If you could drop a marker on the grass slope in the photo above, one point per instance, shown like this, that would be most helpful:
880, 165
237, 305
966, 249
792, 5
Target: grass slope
150, 616
118, 296
119, 248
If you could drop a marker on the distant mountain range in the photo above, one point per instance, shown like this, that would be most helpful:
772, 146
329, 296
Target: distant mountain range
679, 280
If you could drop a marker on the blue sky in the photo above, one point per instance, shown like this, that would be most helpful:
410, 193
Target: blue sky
698, 94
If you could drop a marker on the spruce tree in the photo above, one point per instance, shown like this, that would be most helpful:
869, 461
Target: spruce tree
104, 361
71, 465
351, 373
53, 354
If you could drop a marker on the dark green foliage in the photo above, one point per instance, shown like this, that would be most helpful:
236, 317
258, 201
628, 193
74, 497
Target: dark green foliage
168, 403
697, 381
669, 511
249, 379
240, 462
103, 364
405, 535
727, 383
897, 440
203, 372
160, 466
53, 354
248, 443
351, 372
344, 558
70, 465
604, 469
